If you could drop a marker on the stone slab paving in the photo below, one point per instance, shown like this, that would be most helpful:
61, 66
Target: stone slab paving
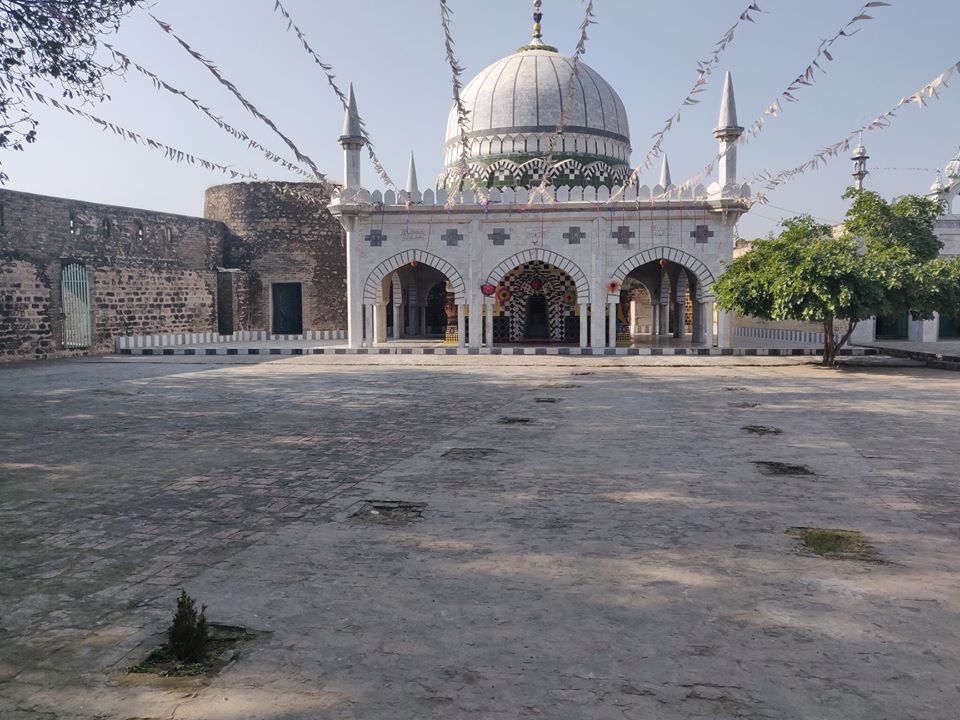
619, 556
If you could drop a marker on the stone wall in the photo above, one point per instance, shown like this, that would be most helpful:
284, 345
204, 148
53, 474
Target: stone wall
282, 233
150, 272
24, 310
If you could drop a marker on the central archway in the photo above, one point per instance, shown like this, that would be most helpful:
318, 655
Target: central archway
548, 257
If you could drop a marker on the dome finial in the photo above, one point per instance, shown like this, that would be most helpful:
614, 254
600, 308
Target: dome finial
537, 17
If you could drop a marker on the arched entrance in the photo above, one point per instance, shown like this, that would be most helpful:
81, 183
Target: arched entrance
536, 302
413, 295
664, 298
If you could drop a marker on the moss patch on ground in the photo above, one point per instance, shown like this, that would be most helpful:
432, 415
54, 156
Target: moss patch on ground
835, 543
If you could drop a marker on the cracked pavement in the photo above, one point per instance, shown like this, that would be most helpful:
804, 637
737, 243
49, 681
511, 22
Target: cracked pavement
619, 556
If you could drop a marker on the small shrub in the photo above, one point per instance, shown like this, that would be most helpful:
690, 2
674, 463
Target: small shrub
187, 636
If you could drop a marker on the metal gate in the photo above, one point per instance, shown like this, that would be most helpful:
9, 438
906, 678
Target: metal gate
75, 306
287, 309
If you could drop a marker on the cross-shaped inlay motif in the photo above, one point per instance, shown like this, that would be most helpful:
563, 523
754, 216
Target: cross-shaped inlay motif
623, 235
375, 238
574, 236
452, 237
702, 233
499, 236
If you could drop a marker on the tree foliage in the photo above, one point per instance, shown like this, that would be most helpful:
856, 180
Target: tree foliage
55, 41
187, 636
884, 261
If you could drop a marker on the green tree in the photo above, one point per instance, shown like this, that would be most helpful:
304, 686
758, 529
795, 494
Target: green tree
55, 41
884, 261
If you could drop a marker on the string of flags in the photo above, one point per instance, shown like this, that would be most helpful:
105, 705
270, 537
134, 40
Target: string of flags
705, 70
930, 91
463, 115
250, 107
331, 81
171, 153
579, 52
126, 62
806, 78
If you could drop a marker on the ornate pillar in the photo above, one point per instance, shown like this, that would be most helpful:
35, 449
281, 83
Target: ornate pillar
584, 324
367, 326
612, 324
488, 311
380, 322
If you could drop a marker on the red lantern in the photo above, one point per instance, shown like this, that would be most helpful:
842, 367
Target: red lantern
663, 262
487, 289
413, 263
537, 284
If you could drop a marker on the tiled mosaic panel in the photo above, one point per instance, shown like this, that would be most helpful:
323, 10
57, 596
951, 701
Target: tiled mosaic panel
556, 283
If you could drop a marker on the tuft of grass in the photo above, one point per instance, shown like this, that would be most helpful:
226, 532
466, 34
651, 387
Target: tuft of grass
772, 467
560, 386
835, 543
507, 420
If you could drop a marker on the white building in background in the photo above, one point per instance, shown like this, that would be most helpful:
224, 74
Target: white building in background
947, 228
491, 267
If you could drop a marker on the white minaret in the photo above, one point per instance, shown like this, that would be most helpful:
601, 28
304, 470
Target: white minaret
412, 187
352, 141
860, 171
727, 133
665, 173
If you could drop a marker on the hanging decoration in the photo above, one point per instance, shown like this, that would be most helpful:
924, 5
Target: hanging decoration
250, 107
570, 298
463, 115
806, 78
488, 290
613, 287
171, 153
705, 70
930, 91
578, 53
125, 61
331, 81
504, 294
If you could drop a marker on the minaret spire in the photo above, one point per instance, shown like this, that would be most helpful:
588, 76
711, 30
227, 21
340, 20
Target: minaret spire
351, 140
860, 158
665, 173
412, 187
727, 134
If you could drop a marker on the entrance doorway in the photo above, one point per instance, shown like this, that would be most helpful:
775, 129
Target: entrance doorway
536, 324
949, 325
287, 309
75, 304
891, 327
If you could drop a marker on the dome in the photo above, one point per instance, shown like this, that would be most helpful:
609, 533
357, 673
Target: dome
514, 107
953, 168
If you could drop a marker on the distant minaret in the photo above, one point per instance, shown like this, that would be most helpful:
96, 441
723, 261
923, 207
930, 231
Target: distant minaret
860, 171
727, 133
352, 141
412, 186
665, 174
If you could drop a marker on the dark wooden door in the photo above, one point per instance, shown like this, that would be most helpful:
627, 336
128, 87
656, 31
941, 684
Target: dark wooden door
537, 323
287, 309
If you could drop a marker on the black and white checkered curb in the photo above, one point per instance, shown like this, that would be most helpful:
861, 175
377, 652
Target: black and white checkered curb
562, 351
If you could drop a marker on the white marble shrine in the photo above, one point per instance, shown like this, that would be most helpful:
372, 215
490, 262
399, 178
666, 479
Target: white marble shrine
489, 266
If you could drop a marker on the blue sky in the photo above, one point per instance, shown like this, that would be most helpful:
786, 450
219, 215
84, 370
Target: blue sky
393, 53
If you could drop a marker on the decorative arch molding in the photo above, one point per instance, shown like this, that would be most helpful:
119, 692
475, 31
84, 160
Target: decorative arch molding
373, 288
547, 256
662, 252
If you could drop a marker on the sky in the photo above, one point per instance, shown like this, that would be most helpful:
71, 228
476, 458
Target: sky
393, 53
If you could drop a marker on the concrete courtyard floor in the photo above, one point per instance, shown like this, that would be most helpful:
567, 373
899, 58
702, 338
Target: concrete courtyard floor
620, 555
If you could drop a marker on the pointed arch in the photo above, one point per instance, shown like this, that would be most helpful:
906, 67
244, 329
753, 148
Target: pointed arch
547, 256
691, 263
372, 288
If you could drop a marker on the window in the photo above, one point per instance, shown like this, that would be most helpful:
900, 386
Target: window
138, 229
106, 227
